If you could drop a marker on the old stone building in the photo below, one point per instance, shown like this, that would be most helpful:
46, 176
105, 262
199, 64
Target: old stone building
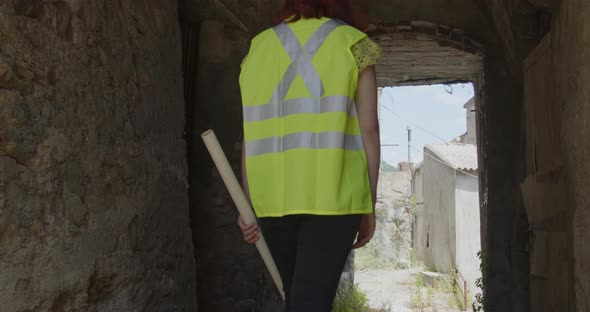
109, 201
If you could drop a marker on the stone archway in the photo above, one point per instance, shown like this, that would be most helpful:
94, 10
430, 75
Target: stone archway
93, 199
421, 52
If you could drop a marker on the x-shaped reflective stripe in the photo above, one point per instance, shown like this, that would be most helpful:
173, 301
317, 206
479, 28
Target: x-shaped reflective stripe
301, 65
301, 59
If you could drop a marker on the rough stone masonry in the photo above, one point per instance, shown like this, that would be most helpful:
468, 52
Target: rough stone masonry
93, 177
93, 188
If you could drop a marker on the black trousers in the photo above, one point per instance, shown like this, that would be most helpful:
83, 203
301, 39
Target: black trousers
310, 252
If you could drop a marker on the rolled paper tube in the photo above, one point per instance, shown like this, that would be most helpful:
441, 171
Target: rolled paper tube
241, 202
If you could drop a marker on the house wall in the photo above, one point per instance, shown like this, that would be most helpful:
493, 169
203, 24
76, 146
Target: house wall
418, 186
393, 234
468, 240
439, 212
419, 230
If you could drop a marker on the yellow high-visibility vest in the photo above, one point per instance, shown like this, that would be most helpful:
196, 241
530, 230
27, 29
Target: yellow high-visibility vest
304, 151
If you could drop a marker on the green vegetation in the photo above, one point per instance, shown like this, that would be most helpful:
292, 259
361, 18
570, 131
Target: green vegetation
447, 283
380, 213
414, 262
457, 300
369, 257
413, 206
479, 303
351, 299
422, 298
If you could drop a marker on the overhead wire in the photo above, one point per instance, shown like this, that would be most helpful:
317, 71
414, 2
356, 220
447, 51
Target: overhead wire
413, 123
433, 135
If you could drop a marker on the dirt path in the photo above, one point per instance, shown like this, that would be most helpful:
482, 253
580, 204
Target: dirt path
394, 291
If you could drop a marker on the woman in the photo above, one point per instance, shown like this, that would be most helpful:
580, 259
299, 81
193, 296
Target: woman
310, 160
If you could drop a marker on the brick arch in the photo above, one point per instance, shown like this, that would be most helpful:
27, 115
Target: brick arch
419, 52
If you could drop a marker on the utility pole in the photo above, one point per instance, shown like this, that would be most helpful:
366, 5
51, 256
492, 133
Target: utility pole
409, 144
379, 93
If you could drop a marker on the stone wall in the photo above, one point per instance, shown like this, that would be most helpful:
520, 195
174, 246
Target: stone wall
392, 243
394, 206
571, 52
231, 275
499, 118
93, 207
505, 236
93, 188
544, 192
504, 224
509, 29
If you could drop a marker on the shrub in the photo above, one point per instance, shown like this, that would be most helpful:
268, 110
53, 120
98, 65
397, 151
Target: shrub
351, 299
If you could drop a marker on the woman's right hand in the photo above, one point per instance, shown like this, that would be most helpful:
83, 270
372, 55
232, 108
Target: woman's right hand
366, 231
249, 231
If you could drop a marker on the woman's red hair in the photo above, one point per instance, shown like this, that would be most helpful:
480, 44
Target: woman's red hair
294, 10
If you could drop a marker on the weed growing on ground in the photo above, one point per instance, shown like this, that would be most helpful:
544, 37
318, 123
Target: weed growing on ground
351, 299
422, 298
369, 257
419, 301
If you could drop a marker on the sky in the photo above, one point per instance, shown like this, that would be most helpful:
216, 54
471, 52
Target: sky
431, 112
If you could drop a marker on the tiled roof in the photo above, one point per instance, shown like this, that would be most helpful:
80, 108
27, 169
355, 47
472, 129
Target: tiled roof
471, 102
419, 166
457, 155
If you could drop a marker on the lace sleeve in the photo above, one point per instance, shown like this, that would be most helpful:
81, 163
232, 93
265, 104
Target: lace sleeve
366, 53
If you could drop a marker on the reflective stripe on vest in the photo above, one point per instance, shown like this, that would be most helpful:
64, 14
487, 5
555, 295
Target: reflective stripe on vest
336, 103
316, 104
305, 140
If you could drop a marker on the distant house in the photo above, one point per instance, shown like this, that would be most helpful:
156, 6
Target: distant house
447, 225
418, 228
